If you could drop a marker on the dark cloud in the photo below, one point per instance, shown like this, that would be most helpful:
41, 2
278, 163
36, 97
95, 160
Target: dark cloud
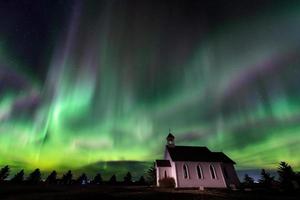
190, 137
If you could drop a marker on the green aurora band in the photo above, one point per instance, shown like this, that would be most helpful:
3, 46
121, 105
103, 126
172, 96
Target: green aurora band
117, 82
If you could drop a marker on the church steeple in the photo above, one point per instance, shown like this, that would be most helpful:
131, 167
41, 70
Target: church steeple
170, 139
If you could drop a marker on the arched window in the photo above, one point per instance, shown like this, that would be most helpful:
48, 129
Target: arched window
199, 172
212, 172
185, 171
165, 174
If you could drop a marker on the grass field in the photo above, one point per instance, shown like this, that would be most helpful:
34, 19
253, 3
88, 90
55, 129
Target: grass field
61, 192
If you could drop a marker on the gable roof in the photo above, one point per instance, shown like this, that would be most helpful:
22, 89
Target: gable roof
163, 163
171, 136
223, 157
189, 153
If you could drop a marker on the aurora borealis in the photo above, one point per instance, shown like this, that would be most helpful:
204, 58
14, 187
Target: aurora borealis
89, 81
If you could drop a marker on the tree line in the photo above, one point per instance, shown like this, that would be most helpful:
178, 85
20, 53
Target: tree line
288, 179
35, 177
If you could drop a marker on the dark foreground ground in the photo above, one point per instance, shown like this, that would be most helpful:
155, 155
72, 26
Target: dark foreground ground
60, 192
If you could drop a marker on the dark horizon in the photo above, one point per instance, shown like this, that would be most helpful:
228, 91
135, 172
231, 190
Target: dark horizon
120, 168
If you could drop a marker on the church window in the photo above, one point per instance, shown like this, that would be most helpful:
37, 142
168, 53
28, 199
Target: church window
199, 172
212, 172
185, 171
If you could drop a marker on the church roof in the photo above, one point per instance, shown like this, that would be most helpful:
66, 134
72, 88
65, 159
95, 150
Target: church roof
171, 136
189, 153
163, 163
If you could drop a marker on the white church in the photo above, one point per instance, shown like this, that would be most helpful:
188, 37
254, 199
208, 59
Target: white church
196, 167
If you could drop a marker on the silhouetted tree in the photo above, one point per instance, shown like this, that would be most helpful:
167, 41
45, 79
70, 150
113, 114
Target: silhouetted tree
35, 177
248, 181
52, 178
142, 181
286, 175
67, 178
266, 179
19, 177
128, 178
82, 179
298, 178
4, 172
97, 179
151, 175
168, 182
113, 179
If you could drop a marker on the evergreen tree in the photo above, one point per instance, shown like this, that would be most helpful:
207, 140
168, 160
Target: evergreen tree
151, 175
286, 175
298, 178
113, 179
19, 177
142, 181
98, 179
4, 172
67, 178
52, 178
35, 177
82, 179
128, 178
168, 182
248, 181
266, 179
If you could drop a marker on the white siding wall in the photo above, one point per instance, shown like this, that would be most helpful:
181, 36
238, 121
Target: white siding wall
173, 169
194, 181
162, 171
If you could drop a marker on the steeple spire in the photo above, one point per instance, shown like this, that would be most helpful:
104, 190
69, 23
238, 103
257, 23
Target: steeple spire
170, 139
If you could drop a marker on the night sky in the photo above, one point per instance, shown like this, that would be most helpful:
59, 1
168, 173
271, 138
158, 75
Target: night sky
83, 82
